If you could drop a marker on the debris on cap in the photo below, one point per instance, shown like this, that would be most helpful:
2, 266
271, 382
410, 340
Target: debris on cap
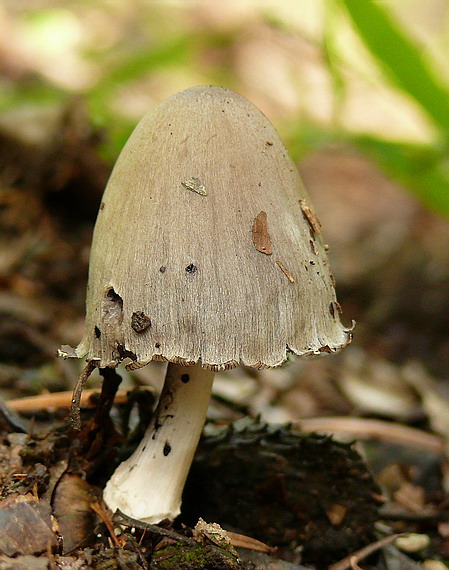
233, 271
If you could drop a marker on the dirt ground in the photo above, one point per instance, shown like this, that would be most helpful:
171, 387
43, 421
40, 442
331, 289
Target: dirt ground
288, 497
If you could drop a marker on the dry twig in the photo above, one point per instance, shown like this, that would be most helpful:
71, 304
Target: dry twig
362, 428
77, 393
243, 541
118, 540
60, 400
353, 559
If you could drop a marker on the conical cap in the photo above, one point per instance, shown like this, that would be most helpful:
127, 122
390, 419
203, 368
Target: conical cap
206, 247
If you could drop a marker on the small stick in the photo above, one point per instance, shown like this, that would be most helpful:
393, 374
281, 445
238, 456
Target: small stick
61, 400
243, 541
426, 515
119, 541
76, 396
123, 519
358, 555
361, 428
12, 418
235, 538
285, 271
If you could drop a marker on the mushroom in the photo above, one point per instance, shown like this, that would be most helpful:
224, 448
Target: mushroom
206, 254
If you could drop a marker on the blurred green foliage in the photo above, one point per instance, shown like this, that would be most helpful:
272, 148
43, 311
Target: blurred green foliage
401, 59
420, 168
423, 169
130, 67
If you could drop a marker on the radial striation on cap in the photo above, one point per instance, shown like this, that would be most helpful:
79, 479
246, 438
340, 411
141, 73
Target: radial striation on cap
206, 247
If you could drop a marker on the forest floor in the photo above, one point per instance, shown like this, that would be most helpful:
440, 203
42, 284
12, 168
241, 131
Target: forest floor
288, 497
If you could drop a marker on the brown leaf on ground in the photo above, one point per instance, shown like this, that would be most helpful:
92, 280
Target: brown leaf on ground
19, 514
71, 506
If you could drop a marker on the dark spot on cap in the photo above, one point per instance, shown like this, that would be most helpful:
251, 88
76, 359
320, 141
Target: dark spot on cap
167, 448
114, 297
162, 268
157, 345
332, 309
102, 205
125, 353
270, 143
157, 426
140, 322
312, 262
191, 269
112, 307
185, 378
97, 332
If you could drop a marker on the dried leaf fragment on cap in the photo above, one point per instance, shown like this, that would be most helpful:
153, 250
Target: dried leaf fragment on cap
195, 185
207, 246
310, 216
261, 237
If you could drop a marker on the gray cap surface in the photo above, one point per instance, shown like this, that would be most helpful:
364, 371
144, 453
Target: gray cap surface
206, 247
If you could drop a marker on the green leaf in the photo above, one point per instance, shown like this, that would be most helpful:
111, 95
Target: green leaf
401, 58
423, 169
140, 62
34, 93
134, 65
330, 31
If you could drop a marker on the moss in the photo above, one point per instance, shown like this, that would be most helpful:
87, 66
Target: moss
182, 556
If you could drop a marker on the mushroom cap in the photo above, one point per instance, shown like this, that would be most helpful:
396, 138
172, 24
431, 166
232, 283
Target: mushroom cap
206, 247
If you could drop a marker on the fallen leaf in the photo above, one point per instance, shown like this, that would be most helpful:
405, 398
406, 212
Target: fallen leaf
71, 505
18, 515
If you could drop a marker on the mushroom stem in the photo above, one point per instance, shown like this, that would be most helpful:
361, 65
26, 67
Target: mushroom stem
149, 484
